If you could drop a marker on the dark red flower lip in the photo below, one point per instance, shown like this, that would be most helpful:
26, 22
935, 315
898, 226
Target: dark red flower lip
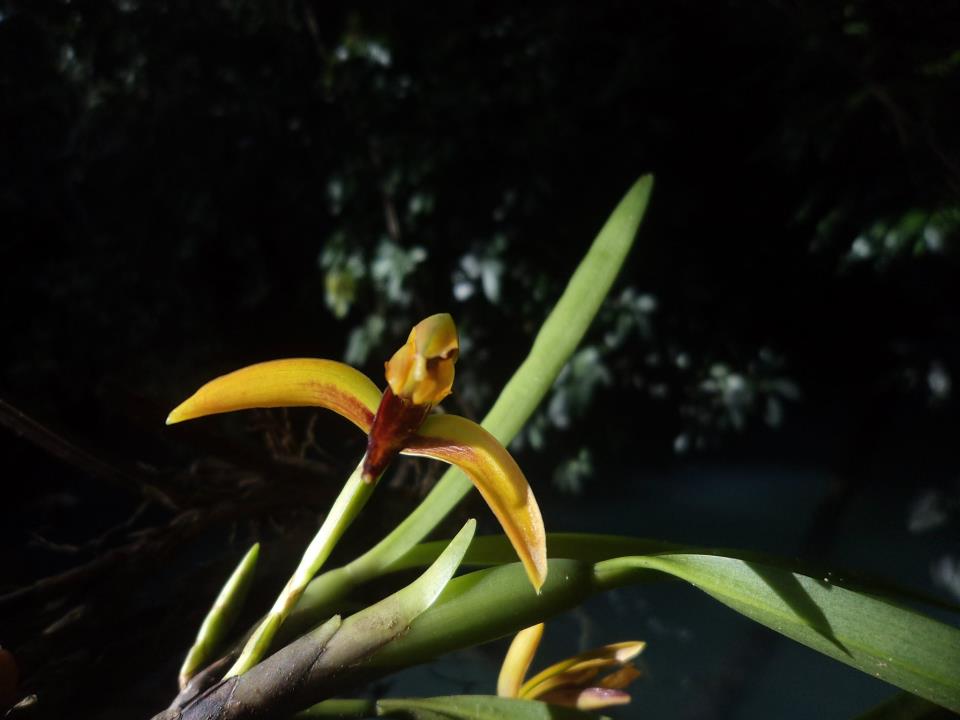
397, 420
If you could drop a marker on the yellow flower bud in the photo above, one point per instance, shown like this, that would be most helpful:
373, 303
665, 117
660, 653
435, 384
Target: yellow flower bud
421, 372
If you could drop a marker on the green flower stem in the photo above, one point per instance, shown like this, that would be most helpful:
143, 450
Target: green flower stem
553, 346
221, 617
346, 507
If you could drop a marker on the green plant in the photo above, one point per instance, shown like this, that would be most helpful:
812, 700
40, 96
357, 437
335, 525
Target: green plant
316, 654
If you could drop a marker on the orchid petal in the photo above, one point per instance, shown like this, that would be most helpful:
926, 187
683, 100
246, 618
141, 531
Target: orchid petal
517, 660
621, 678
421, 371
496, 475
294, 382
614, 654
571, 678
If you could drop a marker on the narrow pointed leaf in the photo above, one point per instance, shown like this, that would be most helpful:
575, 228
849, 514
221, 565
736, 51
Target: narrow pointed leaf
569, 320
219, 621
886, 640
374, 627
496, 475
486, 605
518, 659
589, 547
554, 344
287, 383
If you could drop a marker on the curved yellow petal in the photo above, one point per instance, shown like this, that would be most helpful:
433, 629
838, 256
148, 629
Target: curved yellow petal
580, 677
496, 475
517, 661
278, 383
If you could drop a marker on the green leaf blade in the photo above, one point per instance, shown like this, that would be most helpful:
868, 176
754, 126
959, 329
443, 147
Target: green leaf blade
891, 642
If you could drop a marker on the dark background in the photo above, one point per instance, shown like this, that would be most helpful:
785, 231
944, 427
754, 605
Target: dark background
186, 188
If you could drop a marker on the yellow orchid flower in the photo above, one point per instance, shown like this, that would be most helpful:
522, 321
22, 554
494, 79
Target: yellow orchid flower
573, 682
419, 375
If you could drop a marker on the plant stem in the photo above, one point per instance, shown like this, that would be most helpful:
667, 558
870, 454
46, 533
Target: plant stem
346, 507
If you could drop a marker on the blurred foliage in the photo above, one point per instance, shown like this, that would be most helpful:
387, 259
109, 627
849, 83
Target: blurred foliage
188, 187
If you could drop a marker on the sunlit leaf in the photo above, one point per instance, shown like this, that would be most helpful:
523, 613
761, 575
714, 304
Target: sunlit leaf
886, 640
495, 550
880, 637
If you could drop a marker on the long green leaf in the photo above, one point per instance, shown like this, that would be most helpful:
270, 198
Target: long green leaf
496, 549
886, 640
489, 550
889, 641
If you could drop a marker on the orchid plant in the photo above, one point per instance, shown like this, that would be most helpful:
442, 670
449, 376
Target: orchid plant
304, 655
419, 375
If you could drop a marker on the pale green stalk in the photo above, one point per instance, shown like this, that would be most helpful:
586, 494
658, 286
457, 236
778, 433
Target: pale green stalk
221, 617
559, 336
346, 507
